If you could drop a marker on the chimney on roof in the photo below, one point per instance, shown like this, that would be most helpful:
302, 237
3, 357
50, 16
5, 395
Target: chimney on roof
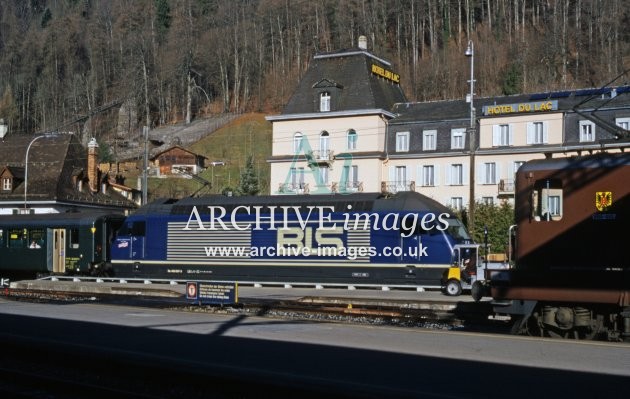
92, 167
363, 42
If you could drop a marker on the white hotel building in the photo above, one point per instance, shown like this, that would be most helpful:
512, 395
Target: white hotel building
349, 128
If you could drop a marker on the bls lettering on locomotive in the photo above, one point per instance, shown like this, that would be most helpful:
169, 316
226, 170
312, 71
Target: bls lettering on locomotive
310, 237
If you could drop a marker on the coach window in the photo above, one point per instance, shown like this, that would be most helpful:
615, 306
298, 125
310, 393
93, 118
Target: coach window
36, 238
16, 238
73, 238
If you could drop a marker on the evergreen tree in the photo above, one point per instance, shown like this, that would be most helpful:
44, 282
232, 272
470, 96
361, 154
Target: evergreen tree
249, 181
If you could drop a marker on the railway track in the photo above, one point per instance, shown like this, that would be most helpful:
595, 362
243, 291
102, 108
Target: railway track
435, 314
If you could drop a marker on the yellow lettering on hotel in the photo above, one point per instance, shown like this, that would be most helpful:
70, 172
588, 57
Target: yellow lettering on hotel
389, 75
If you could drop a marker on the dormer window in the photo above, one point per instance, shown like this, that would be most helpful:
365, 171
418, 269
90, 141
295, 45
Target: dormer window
324, 102
6, 184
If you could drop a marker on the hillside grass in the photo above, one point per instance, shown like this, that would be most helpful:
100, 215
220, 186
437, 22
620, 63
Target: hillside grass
232, 144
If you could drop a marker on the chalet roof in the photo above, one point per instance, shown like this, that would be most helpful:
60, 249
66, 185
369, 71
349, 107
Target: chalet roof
156, 156
52, 163
350, 72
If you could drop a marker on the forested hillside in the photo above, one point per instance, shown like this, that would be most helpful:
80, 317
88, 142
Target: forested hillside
62, 61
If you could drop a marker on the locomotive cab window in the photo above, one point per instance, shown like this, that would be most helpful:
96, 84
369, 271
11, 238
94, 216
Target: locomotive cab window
547, 200
135, 228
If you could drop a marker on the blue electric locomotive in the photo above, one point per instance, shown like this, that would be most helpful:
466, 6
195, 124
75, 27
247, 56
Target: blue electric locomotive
358, 239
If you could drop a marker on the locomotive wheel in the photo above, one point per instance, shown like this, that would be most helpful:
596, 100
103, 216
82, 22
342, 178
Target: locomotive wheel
453, 288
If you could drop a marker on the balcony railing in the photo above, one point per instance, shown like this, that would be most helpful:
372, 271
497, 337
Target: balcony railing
396, 186
293, 188
506, 187
322, 155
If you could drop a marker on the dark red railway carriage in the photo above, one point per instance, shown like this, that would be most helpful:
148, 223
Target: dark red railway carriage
571, 250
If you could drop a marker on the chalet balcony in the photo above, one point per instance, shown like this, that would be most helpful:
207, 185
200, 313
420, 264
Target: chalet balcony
397, 186
506, 187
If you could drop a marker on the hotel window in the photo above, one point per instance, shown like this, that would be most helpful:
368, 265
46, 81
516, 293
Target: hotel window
456, 177
489, 173
457, 203
323, 176
324, 102
502, 135
458, 138
429, 140
350, 176
352, 139
487, 200
623, 123
401, 178
402, 141
297, 143
6, 184
324, 152
517, 164
537, 133
587, 131
428, 176
297, 178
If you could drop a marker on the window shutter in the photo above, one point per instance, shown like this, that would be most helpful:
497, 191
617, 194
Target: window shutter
511, 134
530, 133
480, 173
392, 173
465, 173
436, 174
546, 132
496, 135
447, 175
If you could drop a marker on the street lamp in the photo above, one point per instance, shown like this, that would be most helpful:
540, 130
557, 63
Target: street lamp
470, 52
26, 165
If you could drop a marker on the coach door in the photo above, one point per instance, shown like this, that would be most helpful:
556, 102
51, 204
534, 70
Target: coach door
57, 251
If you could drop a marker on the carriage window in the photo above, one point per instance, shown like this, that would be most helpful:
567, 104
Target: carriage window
547, 201
36, 238
16, 238
73, 238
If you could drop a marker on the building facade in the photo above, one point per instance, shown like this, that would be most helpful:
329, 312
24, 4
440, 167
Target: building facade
330, 137
348, 128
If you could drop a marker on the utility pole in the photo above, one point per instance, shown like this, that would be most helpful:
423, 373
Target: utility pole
145, 165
